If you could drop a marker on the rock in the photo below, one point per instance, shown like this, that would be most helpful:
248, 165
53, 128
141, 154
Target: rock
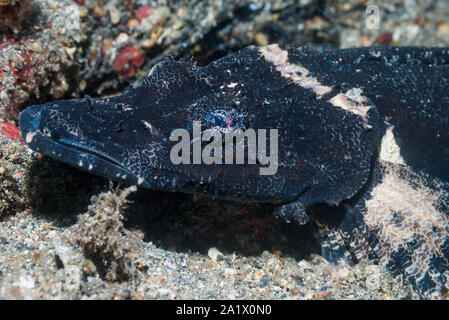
374, 277
215, 254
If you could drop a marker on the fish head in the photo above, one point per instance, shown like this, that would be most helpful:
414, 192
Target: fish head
127, 137
326, 138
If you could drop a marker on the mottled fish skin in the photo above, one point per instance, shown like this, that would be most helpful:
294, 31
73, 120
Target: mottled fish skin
353, 125
401, 217
409, 87
325, 151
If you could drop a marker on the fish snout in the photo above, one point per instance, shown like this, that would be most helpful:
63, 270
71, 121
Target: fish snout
29, 122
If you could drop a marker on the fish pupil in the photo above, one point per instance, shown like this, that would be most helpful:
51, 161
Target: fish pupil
224, 119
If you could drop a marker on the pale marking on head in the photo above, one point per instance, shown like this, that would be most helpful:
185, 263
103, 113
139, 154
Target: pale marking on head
149, 127
30, 136
352, 101
140, 180
81, 164
389, 149
298, 74
90, 167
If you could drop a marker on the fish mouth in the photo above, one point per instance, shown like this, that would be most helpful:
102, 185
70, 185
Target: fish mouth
81, 157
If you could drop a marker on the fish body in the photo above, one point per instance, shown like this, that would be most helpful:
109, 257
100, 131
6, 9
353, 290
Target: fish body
342, 118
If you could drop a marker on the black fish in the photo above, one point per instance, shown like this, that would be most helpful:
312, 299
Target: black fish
350, 124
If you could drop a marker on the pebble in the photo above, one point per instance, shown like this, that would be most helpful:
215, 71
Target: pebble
374, 277
215, 254
230, 271
122, 38
114, 14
